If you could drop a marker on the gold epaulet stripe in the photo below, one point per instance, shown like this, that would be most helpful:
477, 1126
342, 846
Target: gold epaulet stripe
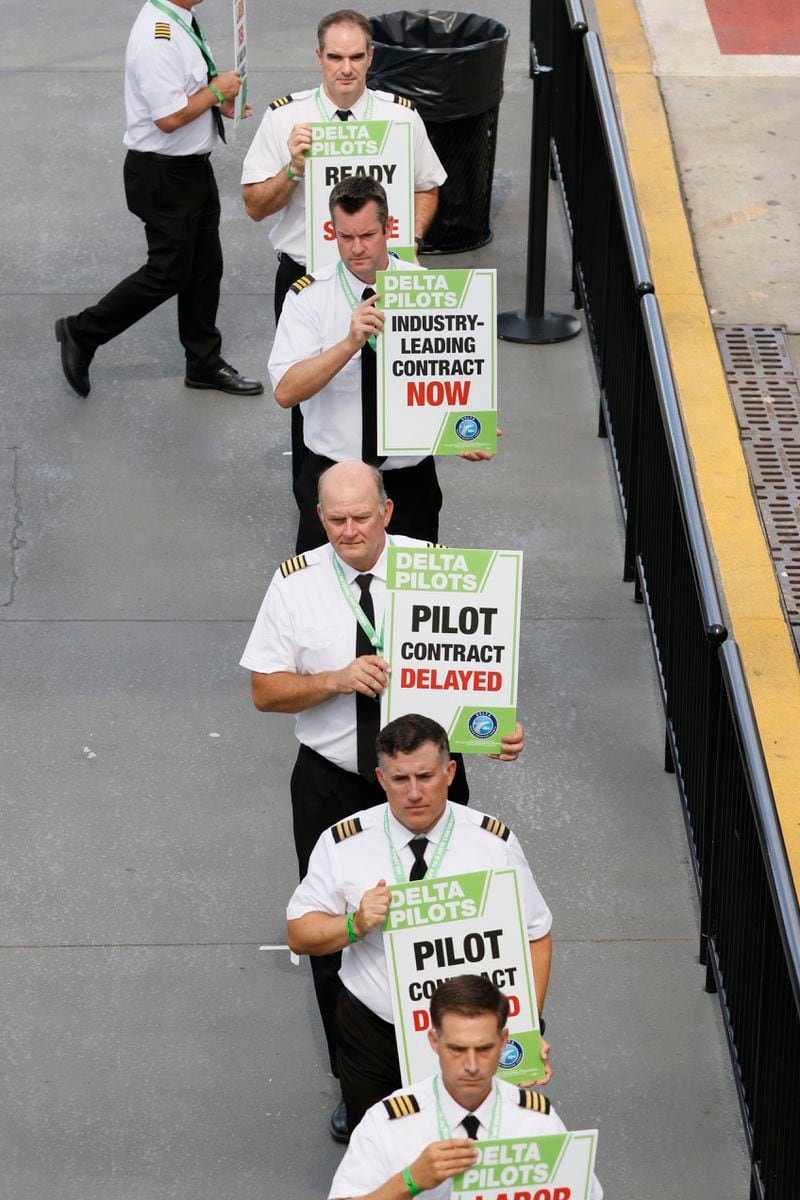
164, 30
293, 564
535, 1101
404, 100
301, 283
496, 827
436, 545
401, 1106
346, 829
281, 101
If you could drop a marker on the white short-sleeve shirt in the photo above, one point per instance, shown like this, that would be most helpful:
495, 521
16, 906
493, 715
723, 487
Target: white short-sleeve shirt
163, 68
311, 321
305, 626
382, 1144
269, 154
340, 872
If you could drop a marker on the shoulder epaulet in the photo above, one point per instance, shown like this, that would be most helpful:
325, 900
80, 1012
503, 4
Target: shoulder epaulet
282, 101
535, 1101
163, 30
290, 565
301, 284
401, 1106
496, 827
404, 100
436, 545
346, 829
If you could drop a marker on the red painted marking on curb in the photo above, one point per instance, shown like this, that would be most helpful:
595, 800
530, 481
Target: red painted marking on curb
756, 26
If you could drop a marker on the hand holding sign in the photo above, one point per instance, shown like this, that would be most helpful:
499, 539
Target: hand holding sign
544, 1055
366, 321
513, 744
441, 1161
368, 674
298, 142
372, 910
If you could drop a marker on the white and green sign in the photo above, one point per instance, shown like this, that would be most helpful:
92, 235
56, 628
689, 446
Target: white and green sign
470, 924
451, 634
341, 149
555, 1166
240, 57
437, 371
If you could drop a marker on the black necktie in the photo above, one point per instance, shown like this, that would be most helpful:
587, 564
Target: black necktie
418, 847
343, 114
368, 711
215, 113
471, 1124
369, 399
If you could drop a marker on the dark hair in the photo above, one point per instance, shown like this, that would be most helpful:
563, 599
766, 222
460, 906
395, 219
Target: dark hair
468, 995
344, 16
408, 733
353, 193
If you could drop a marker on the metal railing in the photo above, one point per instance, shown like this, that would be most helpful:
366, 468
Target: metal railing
749, 923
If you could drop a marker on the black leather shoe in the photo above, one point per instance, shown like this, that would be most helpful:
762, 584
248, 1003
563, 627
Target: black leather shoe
74, 359
340, 1130
226, 379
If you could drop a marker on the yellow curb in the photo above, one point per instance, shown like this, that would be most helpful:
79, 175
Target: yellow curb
749, 588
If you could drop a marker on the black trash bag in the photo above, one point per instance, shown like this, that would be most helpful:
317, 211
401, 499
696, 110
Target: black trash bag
450, 65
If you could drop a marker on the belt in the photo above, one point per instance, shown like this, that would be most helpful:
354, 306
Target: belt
172, 158
292, 262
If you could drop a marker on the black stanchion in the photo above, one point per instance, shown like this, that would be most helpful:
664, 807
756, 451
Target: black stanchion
535, 325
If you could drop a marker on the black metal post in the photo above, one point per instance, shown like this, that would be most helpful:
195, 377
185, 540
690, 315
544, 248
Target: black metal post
534, 325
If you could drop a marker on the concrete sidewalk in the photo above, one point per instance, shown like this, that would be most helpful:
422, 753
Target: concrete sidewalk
157, 1042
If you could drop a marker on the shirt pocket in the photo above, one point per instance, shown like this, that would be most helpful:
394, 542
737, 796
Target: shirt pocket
325, 648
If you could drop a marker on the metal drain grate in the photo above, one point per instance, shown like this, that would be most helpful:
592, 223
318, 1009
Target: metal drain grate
766, 397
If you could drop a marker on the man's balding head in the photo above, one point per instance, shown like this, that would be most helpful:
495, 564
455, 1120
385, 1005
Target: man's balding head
354, 511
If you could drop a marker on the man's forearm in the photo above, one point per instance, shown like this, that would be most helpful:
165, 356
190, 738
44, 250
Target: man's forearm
394, 1189
269, 196
304, 379
425, 205
317, 933
283, 691
541, 956
197, 104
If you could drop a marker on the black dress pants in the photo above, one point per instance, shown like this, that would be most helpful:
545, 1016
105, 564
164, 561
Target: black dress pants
323, 794
414, 490
288, 273
369, 1067
177, 199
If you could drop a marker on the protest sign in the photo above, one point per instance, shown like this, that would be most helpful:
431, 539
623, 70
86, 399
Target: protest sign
451, 635
437, 369
342, 149
469, 924
240, 57
554, 1166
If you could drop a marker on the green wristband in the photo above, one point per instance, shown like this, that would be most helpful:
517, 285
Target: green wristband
351, 933
413, 1190
290, 174
216, 92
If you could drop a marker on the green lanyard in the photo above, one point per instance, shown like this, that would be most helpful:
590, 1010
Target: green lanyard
325, 116
375, 639
446, 1132
350, 295
200, 41
436, 861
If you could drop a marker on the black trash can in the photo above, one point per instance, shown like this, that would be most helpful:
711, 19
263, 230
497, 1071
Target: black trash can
450, 65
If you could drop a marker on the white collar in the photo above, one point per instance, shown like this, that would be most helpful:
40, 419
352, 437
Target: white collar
402, 836
454, 1113
356, 108
378, 571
